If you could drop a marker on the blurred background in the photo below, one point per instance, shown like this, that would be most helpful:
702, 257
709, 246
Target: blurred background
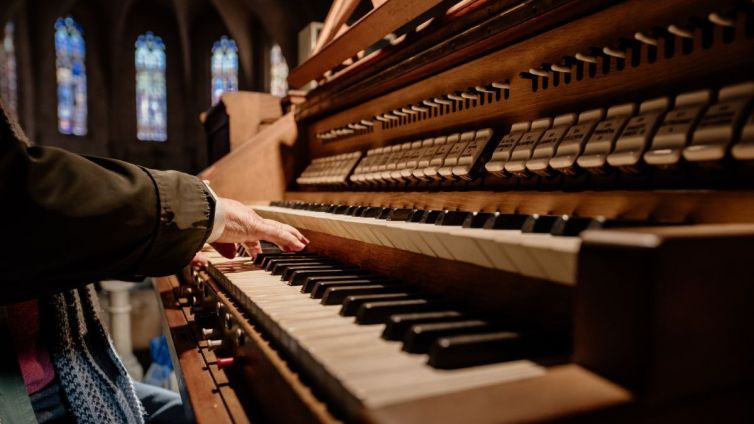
134, 80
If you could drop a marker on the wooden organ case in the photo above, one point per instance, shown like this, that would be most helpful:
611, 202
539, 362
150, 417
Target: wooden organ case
552, 197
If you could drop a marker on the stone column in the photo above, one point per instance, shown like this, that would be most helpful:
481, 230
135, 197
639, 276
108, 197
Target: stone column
119, 310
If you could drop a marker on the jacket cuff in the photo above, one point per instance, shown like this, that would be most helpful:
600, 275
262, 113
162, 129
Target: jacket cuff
218, 218
185, 221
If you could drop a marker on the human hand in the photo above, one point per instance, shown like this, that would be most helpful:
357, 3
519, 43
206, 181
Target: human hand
243, 225
200, 260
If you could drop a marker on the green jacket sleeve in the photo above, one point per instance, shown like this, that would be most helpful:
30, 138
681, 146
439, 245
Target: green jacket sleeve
69, 219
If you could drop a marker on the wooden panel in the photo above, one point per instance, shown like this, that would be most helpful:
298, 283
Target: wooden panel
719, 64
563, 392
673, 314
690, 206
332, 27
328, 26
368, 30
568, 394
260, 168
248, 114
195, 381
458, 37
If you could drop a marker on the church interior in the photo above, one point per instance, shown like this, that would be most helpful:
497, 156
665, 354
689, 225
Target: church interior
87, 47
513, 211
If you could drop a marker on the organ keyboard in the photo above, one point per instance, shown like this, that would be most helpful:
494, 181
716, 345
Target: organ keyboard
519, 211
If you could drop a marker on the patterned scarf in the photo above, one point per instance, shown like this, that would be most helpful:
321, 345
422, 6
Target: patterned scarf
95, 383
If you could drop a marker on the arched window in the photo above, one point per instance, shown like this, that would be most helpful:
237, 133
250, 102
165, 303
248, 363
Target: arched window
151, 89
70, 52
278, 72
8, 86
224, 67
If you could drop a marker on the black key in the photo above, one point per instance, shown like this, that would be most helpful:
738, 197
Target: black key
321, 207
260, 257
420, 337
384, 213
397, 325
278, 268
289, 269
311, 281
340, 209
570, 226
371, 212
350, 210
299, 205
541, 224
400, 214
358, 210
336, 295
476, 349
287, 255
292, 258
377, 312
319, 289
505, 221
429, 217
476, 219
282, 264
273, 261
268, 247
352, 304
298, 277
450, 218
263, 258
271, 249
416, 216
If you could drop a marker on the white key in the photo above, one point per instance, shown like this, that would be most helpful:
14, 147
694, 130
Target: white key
534, 255
354, 357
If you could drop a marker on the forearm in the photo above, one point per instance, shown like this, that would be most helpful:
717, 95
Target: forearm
75, 219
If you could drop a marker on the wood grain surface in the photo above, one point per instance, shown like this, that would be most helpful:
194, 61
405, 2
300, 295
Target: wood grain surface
196, 382
702, 68
379, 22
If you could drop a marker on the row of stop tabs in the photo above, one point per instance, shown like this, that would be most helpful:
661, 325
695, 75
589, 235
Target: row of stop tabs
704, 127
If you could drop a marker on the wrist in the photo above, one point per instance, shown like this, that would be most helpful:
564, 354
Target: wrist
218, 220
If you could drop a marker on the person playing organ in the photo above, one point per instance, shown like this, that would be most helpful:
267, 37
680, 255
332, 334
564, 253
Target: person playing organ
93, 219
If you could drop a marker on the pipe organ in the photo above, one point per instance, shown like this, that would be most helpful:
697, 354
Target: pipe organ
519, 211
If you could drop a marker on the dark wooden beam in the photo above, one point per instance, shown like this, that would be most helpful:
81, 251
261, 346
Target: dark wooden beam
381, 21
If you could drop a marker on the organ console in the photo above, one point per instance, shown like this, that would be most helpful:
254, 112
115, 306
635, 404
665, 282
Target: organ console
519, 211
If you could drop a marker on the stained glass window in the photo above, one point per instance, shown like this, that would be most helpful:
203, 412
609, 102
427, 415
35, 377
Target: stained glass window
8, 84
278, 72
151, 89
224, 67
70, 52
